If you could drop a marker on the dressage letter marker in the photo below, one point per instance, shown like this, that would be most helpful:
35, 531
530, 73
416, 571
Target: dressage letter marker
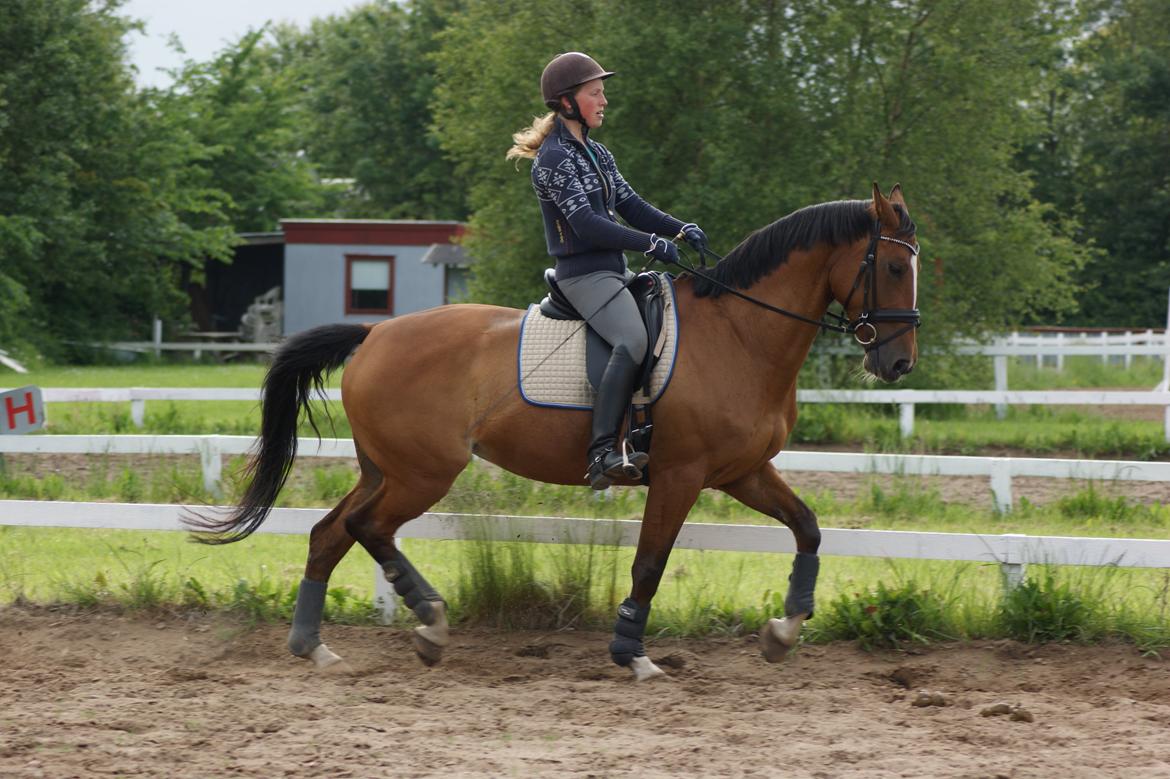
21, 410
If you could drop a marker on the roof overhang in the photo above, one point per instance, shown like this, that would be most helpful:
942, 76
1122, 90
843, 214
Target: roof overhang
376, 232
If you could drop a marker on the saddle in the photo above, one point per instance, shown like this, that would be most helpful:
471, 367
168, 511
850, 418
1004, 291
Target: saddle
647, 289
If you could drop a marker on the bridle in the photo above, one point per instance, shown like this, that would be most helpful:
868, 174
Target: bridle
864, 327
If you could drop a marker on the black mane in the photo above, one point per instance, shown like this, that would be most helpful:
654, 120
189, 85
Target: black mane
842, 221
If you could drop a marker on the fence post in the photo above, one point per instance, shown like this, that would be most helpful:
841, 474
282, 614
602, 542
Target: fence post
385, 599
138, 412
1060, 352
1001, 483
1001, 382
211, 459
156, 337
1012, 567
1166, 372
906, 419
1105, 344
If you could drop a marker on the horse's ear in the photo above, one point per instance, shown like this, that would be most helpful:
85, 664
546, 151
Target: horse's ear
882, 207
896, 195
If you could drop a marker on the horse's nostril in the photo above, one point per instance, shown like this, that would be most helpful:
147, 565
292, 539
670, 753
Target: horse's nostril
902, 367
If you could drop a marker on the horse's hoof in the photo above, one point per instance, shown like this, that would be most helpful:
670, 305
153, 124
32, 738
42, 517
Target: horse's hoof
779, 637
644, 670
324, 660
428, 651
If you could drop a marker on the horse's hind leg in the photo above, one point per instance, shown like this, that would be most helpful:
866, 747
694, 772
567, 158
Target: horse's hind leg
764, 491
373, 526
328, 543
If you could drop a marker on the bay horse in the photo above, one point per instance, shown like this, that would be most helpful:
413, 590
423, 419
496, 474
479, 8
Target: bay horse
426, 391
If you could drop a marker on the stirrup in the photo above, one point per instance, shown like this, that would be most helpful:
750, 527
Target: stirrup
606, 467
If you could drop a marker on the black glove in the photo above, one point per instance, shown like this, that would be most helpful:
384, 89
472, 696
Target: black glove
662, 250
694, 236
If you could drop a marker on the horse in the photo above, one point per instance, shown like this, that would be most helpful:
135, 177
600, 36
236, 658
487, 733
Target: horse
426, 391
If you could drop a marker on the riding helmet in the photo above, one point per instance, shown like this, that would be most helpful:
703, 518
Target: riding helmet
565, 72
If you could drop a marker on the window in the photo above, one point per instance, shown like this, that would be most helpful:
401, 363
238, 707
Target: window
455, 284
369, 284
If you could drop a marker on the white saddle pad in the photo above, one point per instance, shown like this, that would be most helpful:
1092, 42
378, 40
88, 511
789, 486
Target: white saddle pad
552, 358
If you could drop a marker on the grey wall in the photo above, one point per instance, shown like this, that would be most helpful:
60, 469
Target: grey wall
314, 283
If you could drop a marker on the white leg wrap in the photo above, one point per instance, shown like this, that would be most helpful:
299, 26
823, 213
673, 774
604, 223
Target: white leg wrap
779, 636
644, 670
322, 658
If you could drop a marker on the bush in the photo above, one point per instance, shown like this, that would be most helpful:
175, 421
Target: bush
1043, 610
887, 618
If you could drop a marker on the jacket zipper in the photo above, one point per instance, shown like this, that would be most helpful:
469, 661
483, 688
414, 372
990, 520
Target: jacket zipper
600, 175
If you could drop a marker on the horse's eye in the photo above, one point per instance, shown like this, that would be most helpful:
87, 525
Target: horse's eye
897, 270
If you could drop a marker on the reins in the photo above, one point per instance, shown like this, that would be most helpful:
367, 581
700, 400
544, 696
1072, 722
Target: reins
870, 312
869, 315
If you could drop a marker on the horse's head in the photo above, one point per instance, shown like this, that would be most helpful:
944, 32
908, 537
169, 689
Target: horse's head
876, 281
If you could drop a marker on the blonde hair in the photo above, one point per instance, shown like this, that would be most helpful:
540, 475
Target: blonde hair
526, 142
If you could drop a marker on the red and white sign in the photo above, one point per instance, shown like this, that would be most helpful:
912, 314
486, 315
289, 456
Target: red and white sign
21, 410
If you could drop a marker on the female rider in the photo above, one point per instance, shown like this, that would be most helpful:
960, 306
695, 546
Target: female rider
579, 188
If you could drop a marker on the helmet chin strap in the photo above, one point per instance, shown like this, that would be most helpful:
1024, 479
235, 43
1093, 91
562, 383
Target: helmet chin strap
574, 113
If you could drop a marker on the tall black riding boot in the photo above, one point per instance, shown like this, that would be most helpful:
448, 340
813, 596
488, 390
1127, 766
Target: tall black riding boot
607, 461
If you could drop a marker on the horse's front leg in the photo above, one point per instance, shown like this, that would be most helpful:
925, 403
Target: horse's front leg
672, 493
764, 491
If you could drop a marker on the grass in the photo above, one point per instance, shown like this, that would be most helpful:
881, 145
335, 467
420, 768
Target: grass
877, 603
521, 585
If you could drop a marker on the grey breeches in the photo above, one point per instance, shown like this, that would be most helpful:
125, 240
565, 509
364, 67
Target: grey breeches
618, 322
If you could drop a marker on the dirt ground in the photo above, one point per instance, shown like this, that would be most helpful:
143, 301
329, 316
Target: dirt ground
106, 695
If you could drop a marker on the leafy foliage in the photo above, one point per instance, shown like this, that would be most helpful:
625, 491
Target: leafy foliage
1103, 157
1029, 137
96, 185
888, 617
369, 78
1043, 609
929, 94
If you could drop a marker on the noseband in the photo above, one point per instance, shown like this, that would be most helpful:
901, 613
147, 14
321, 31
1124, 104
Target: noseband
864, 327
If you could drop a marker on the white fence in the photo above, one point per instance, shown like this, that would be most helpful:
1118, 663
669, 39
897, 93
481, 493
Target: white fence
1011, 552
905, 399
999, 470
1059, 345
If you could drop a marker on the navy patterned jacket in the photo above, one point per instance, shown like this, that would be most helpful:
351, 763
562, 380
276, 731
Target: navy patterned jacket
578, 202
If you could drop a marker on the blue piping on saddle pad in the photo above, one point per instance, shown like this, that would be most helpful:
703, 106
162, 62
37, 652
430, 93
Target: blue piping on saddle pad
653, 400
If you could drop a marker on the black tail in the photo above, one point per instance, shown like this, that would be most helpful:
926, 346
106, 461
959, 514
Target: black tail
301, 365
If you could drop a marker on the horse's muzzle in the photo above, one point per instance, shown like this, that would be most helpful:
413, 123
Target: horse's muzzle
890, 369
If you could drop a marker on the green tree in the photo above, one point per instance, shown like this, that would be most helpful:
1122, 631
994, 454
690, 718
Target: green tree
97, 207
369, 80
734, 114
245, 107
1105, 156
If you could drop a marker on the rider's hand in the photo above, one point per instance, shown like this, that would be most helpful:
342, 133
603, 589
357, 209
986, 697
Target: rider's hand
694, 236
662, 250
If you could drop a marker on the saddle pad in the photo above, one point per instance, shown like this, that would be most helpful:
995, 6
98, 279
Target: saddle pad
552, 358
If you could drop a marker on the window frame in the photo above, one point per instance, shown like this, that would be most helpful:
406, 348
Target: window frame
349, 261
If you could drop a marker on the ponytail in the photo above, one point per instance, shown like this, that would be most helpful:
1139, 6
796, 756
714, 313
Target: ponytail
526, 142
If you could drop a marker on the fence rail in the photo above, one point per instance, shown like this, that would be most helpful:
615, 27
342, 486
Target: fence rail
905, 399
1011, 552
999, 470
